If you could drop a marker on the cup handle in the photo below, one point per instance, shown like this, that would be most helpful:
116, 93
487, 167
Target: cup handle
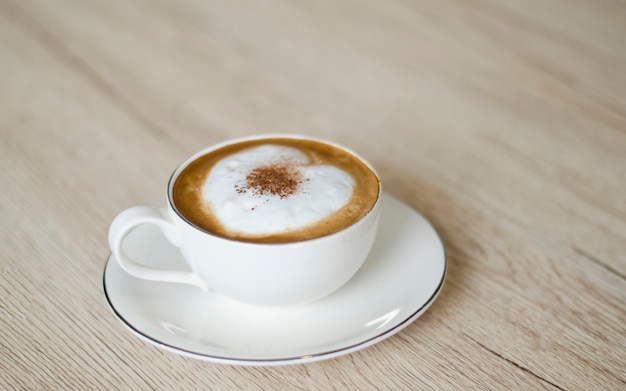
125, 222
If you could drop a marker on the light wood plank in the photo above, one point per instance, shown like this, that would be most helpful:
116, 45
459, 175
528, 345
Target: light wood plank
504, 123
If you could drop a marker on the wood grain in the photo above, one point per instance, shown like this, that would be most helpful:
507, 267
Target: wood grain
502, 122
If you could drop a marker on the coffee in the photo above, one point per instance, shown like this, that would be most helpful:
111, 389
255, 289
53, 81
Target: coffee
275, 190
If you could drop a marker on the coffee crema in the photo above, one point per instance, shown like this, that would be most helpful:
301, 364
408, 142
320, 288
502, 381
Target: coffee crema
275, 190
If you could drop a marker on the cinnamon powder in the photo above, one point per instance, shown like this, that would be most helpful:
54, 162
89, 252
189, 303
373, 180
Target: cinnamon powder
278, 179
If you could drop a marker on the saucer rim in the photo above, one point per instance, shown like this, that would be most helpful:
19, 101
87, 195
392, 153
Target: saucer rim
276, 361
288, 360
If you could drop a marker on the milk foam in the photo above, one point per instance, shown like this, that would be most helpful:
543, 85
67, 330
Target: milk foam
322, 190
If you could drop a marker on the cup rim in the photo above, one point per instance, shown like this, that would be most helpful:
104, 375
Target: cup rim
179, 169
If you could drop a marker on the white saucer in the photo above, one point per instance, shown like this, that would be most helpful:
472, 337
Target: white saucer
400, 279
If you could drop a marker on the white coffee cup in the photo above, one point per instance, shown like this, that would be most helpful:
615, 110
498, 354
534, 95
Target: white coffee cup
258, 273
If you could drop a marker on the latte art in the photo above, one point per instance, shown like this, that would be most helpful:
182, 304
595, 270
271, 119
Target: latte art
275, 190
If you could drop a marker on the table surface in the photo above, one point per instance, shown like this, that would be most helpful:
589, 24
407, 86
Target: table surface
503, 123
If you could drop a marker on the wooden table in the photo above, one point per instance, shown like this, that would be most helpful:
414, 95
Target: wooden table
504, 123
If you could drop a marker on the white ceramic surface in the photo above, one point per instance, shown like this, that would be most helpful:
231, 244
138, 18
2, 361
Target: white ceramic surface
258, 273
400, 279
